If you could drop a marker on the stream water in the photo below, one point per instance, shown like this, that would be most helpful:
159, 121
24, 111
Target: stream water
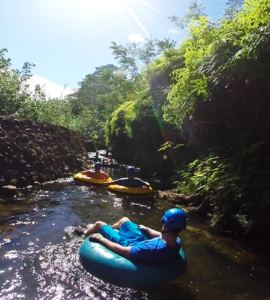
39, 251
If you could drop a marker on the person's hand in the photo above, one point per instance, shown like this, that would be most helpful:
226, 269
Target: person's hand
143, 228
96, 237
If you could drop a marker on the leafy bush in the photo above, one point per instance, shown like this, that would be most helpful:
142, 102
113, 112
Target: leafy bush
13, 88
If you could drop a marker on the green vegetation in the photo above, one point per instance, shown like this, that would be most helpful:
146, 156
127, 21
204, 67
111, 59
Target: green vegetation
199, 111
13, 91
222, 90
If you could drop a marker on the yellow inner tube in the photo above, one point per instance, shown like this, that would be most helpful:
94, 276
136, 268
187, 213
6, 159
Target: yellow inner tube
85, 178
130, 190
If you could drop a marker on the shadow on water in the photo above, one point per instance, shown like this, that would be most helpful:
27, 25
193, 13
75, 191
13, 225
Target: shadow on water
39, 251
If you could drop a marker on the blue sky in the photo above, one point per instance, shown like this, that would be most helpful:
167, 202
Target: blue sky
67, 39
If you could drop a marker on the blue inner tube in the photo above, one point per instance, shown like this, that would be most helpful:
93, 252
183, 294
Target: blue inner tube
115, 269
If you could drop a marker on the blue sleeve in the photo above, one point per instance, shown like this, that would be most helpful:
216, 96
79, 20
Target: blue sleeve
154, 251
140, 252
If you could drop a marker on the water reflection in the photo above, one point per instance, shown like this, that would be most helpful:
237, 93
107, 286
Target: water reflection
39, 251
60, 265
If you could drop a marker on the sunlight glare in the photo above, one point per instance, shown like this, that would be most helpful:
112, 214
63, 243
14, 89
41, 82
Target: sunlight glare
103, 5
149, 5
137, 20
112, 7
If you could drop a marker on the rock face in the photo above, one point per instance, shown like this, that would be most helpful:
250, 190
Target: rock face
33, 152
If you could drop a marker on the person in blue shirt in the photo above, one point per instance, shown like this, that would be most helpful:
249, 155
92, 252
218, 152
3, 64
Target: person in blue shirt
130, 181
131, 243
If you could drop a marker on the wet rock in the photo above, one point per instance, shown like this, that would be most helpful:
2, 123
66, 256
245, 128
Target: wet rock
28, 168
8, 124
33, 178
15, 159
79, 162
28, 123
10, 152
16, 128
3, 133
60, 174
8, 174
35, 165
7, 163
27, 176
9, 190
22, 163
42, 178
24, 138
42, 165
36, 183
22, 182
2, 182
13, 182
32, 136
2, 201
17, 122
15, 147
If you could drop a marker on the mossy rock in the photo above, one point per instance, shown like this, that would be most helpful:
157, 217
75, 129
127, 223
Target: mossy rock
13, 182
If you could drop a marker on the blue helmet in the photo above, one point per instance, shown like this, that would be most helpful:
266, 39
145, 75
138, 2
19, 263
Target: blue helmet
175, 218
130, 170
98, 165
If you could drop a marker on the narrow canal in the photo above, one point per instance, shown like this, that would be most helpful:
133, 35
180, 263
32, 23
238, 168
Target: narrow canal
39, 251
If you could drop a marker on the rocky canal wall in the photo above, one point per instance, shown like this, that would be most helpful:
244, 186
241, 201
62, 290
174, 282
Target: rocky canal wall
34, 152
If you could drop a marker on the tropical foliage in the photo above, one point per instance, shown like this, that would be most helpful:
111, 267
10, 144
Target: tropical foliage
13, 89
219, 100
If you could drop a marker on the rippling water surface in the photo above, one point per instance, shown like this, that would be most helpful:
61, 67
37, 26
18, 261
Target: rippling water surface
39, 251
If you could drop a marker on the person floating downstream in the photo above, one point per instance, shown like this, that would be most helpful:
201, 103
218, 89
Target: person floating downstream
96, 173
130, 181
131, 243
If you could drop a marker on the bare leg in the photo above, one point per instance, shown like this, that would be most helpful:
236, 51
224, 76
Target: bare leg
120, 222
93, 228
